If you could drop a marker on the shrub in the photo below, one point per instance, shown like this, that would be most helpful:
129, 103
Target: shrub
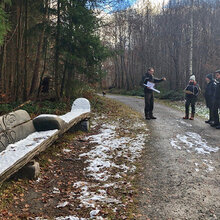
170, 94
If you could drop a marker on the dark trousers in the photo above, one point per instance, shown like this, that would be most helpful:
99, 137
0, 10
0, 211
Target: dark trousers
192, 102
216, 106
210, 105
211, 114
149, 104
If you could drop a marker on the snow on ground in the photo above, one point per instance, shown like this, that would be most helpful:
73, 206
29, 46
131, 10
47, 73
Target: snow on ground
112, 157
193, 143
184, 123
109, 146
201, 109
90, 196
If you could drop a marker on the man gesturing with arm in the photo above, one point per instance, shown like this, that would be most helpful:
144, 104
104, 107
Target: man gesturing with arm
148, 93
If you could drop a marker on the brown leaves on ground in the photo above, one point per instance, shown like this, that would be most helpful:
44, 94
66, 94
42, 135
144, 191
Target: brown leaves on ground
60, 169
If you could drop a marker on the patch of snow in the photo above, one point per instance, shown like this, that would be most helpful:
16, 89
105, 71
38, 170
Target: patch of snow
56, 190
184, 123
194, 142
62, 204
69, 218
40, 218
174, 143
118, 176
47, 115
71, 115
100, 157
208, 164
66, 150
38, 179
90, 199
94, 213
107, 185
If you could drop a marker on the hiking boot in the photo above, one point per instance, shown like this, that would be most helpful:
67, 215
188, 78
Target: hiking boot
208, 121
214, 125
186, 117
192, 117
148, 117
217, 127
151, 115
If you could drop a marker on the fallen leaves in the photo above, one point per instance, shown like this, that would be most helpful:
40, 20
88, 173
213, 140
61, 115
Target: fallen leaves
55, 195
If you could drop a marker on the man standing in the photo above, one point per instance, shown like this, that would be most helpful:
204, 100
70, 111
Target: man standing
148, 93
216, 101
209, 96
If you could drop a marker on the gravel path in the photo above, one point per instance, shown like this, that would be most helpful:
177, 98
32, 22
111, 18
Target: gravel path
181, 166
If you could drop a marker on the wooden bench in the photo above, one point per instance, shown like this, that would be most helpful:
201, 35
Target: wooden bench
21, 138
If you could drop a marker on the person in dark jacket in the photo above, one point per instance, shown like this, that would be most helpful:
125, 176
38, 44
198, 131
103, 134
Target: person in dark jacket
216, 105
209, 96
192, 91
148, 93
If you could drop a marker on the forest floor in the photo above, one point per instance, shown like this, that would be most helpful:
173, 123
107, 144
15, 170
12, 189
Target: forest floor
89, 175
124, 168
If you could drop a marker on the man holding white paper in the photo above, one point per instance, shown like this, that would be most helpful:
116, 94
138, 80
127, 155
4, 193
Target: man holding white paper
149, 83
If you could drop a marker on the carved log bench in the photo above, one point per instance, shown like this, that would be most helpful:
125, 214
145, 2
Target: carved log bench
21, 138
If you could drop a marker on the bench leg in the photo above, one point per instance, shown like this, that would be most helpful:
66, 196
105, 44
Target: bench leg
30, 171
81, 126
84, 125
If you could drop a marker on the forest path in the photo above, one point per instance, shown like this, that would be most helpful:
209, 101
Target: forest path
181, 166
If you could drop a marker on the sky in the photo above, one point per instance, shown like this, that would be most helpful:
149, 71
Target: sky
127, 3
154, 2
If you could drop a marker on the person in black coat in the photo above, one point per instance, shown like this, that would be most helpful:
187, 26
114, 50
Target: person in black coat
216, 105
148, 93
192, 92
209, 96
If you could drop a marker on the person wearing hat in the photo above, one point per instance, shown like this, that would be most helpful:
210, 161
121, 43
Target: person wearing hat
148, 93
192, 92
209, 96
216, 105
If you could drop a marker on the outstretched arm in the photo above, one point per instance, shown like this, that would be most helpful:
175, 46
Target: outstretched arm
159, 80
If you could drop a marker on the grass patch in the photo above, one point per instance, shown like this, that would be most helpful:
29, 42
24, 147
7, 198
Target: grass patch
201, 109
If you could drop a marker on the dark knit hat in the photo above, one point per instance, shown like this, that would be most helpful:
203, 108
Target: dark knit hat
209, 76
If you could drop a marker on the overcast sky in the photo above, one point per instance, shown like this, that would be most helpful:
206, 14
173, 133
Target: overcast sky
152, 1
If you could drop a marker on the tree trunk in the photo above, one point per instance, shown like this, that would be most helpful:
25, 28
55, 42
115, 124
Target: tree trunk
35, 79
57, 52
191, 40
18, 48
63, 80
25, 52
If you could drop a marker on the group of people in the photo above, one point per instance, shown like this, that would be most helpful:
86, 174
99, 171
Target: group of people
212, 96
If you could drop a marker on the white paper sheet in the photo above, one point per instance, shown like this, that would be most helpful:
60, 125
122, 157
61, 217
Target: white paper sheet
151, 85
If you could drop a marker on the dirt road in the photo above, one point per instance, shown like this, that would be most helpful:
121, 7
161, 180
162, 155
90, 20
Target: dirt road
181, 166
